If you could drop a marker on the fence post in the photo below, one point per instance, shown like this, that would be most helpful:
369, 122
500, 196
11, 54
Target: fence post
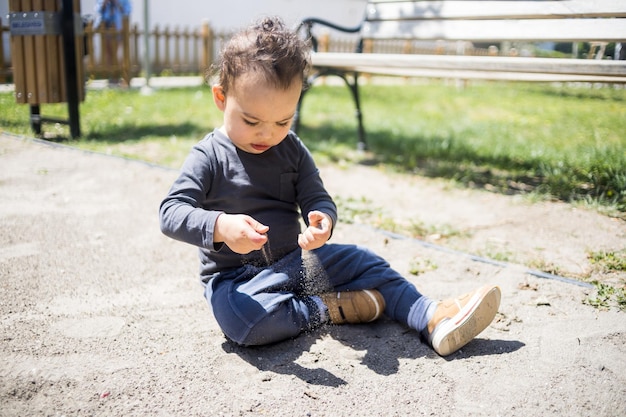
89, 44
167, 60
440, 47
207, 46
135, 59
368, 46
126, 50
407, 47
176, 63
186, 58
157, 55
324, 44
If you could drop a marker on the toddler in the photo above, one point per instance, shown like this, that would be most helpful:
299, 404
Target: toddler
241, 194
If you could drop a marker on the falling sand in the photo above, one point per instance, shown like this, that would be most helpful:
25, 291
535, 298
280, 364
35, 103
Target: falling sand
314, 277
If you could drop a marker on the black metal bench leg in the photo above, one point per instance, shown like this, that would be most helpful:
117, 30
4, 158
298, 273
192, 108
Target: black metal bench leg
354, 88
295, 125
35, 119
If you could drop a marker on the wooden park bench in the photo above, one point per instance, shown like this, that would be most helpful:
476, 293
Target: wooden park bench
464, 24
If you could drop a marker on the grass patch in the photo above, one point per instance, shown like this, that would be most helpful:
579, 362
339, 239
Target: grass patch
159, 128
362, 210
608, 261
497, 253
354, 210
607, 296
562, 143
548, 142
419, 266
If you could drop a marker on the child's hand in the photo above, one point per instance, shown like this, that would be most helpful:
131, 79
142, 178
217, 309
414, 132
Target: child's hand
241, 233
318, 232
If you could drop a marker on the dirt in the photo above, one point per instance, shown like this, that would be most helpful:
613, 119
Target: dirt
103, 315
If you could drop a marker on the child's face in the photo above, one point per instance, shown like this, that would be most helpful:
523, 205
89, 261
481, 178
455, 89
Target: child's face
257, 116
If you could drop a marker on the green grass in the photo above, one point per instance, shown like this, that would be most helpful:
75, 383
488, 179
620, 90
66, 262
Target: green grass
159, 128
550, 142
559, 143
607, 296
362, 210
608, 261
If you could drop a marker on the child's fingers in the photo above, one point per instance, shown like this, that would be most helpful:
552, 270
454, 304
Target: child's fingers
312, 216
256, 226
318, 220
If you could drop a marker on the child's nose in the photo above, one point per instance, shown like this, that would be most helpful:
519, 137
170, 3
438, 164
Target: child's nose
266, 132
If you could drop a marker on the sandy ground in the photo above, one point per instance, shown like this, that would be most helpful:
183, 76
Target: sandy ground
102, 315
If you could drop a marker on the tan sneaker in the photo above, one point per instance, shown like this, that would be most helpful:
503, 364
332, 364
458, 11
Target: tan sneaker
457, 321
354, 306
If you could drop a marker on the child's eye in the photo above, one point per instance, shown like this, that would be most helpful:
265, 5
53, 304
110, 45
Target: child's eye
283, 124
249, 123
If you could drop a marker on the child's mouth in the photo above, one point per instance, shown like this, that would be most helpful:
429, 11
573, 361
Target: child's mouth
258, 147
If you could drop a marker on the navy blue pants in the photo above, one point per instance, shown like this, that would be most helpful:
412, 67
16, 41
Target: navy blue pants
259, 305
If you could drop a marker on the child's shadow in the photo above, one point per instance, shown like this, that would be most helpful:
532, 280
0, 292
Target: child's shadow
282, 357
384, 343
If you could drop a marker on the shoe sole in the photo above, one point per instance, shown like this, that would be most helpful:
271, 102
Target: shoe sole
452, 334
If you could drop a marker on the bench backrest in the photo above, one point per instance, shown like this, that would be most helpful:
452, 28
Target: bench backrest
497, 20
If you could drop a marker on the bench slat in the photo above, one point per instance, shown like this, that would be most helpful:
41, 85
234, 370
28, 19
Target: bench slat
396, 62
18, 52
494, 9
43, 88
30, 62
52, 50
490, 75
561, 30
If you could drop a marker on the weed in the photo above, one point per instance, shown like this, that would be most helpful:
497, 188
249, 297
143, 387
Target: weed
362, 210
606, 296
354, 210
497, 252
548, 267
608, 261
419, 266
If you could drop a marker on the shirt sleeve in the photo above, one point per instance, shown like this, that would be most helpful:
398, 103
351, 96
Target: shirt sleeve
181, 213
312, 194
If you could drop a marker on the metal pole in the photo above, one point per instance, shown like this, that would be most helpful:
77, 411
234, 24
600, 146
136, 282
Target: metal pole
146, 48
71, 73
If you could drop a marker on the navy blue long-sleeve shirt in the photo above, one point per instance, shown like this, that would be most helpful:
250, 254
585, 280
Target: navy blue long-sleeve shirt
276, 188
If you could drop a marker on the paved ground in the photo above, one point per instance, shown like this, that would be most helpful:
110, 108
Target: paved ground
102, 315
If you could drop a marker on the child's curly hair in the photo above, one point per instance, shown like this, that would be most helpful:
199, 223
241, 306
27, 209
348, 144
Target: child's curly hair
267, 48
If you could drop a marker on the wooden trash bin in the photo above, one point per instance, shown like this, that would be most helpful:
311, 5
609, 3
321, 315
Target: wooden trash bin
47, 50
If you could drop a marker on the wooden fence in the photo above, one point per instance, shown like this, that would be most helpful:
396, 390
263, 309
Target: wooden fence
173, 51
328, 43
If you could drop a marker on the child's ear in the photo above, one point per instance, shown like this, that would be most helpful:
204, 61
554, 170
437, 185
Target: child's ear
219, 97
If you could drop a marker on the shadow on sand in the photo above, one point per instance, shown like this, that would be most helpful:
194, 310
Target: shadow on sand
380, 346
